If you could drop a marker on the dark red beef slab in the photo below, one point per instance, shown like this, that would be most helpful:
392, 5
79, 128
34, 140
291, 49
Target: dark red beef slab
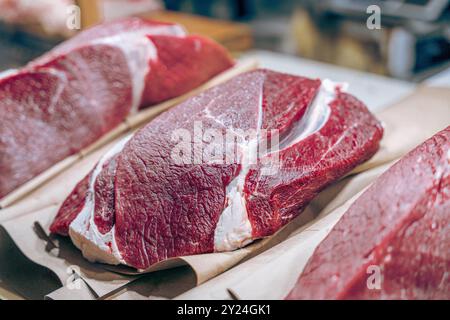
183, 64
349, 137
177, 207
65, 100
400, 225
167, 209
71, 207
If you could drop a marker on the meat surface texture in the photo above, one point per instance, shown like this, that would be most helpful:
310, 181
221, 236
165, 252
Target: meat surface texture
393, 242
141, 204
67, 99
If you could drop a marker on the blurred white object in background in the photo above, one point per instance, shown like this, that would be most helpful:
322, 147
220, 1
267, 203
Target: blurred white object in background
401, 53
113, 9
51, 15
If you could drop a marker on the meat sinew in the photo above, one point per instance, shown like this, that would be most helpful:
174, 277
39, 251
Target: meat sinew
394, 241
175, 189
71, 96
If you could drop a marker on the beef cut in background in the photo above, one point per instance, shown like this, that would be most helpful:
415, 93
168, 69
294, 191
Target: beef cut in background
67, 99
394, 241
140, 206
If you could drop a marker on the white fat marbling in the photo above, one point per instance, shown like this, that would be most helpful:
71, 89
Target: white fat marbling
316, 115
7, 73
139, 51
234, 229
95, 246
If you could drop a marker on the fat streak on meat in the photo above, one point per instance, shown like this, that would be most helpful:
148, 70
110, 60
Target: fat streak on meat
398, 230
65, 100
140, 206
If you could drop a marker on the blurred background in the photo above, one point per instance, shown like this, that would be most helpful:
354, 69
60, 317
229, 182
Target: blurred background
412, 43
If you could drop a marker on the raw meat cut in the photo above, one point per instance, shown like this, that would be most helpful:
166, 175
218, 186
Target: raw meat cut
71, 96
172, 189
398, 230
